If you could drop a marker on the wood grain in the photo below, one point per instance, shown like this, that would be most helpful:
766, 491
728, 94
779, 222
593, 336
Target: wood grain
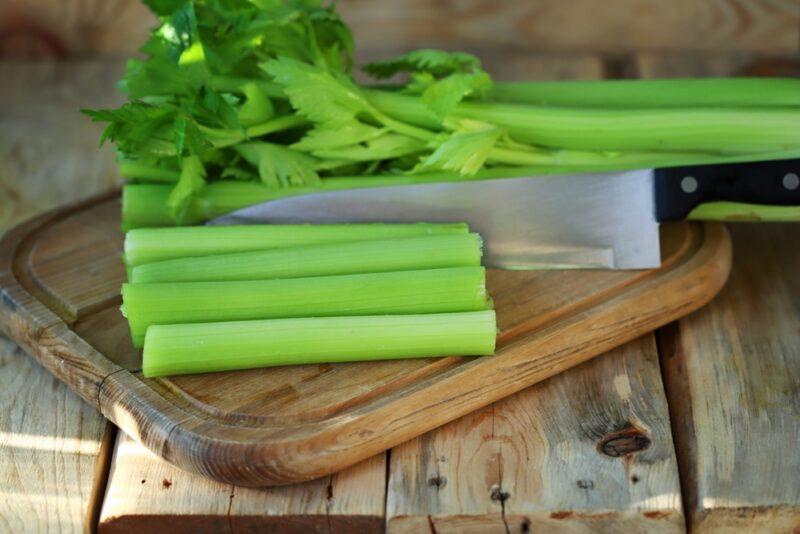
589, 450
253, 433
48, 150
577, 26
144, 493
732, 376
47, 29
692, 66
50, 446
55, 262
62, 28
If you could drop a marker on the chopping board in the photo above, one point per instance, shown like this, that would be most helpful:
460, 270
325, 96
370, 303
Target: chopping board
60, 276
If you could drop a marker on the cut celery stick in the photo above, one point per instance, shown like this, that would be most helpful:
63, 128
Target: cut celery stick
146, 245
406, 292
374, 256
207, 347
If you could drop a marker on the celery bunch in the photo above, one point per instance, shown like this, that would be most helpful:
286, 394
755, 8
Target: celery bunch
240, 101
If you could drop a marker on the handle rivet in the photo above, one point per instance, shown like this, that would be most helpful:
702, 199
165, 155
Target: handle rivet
791, 181
689, 184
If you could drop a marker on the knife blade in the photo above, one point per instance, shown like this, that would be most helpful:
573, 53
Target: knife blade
596, 220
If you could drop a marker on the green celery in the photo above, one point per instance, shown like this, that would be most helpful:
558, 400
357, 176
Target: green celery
148, 245
406, 292
664, 93
208, 347
737, 211
231, 115
748, 130
145, 205
373, 256
137, 170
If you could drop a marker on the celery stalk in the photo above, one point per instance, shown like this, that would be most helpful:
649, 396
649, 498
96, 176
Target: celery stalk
147, 245
664, 93
406, 292
677, 129
737, 211
145, 205
374, 256
208, 347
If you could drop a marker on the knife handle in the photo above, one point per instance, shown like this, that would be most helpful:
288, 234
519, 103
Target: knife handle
754, 191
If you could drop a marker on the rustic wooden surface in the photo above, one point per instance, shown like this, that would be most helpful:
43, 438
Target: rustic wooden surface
72, 28
60, 28
586, 451
42, 134
145, 493
771, 513
50, 449
732, 376
289, 424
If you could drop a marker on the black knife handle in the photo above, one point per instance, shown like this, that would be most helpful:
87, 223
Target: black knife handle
679, 190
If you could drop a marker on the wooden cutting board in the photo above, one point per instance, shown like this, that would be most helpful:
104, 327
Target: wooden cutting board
60, 275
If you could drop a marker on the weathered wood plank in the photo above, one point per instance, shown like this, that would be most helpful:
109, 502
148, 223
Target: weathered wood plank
704, 65
584, 26
68, 27
587, 450
683, 66
349, 501
146, 493
72, 28
732, 377
50, 447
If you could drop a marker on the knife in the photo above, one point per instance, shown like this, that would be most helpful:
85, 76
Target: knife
597, 220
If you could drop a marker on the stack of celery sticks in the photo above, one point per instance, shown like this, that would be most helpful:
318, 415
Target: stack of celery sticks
204, 299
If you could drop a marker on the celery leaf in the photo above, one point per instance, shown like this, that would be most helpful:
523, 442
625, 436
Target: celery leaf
387, 146
436, 62
279, 166
190, 182
444, 95
257, 107
320, 96
464, 151
322, 138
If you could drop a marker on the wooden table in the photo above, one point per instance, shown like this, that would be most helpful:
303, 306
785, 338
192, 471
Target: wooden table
695, 424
